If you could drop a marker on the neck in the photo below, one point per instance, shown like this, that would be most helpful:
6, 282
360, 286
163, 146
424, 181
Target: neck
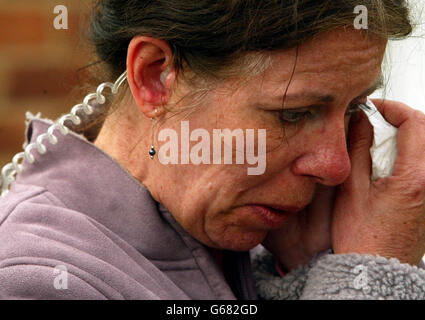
124, 137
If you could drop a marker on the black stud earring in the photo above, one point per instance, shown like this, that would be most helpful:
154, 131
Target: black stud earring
152, 150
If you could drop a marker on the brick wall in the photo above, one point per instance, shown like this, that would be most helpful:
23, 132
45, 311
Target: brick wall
38, 64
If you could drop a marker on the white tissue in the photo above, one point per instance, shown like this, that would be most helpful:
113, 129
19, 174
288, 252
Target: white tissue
384, 149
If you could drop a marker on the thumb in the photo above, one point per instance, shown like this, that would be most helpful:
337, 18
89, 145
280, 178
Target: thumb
359, 141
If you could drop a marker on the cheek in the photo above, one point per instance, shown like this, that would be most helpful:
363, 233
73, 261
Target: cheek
233, 231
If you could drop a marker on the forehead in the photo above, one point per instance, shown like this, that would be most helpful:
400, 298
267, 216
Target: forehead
341, 49
336, 60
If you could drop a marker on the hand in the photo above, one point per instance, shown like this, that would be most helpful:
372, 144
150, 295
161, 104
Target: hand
306, 233
387, 216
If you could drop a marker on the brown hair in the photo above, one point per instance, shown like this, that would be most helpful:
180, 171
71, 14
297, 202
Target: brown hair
210, 39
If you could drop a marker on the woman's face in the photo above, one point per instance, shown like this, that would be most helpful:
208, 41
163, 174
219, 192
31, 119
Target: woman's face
224, 207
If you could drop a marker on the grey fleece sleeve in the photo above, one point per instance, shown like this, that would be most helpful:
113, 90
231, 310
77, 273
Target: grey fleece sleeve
340, 277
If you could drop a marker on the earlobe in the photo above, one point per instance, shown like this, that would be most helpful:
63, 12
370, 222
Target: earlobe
150, 73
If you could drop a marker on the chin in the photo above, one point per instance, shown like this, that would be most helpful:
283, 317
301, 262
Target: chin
239, 241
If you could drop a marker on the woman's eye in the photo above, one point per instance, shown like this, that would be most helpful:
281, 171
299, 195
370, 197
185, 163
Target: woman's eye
291, 116
294, 117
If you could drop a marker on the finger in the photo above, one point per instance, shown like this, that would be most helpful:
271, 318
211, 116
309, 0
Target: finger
411, 130
360, 139
394, 112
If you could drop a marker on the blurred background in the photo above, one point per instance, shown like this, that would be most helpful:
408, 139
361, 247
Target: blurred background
404, 65
41, 67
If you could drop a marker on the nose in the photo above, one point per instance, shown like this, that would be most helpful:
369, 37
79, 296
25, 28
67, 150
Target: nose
326, 159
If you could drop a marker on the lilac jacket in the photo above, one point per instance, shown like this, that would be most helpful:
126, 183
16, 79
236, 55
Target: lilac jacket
77, 208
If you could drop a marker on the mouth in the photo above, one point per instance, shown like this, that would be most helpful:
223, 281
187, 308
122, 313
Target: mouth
273, 216
290, 209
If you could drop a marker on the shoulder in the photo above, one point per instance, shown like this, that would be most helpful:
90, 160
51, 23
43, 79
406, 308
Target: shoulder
35, 223
41, 241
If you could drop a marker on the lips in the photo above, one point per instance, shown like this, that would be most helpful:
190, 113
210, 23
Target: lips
273, 217
291, 209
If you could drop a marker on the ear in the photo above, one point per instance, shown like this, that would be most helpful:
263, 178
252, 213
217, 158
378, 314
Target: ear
150, 74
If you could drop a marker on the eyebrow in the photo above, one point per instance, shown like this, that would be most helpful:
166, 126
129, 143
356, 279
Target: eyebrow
328, 98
